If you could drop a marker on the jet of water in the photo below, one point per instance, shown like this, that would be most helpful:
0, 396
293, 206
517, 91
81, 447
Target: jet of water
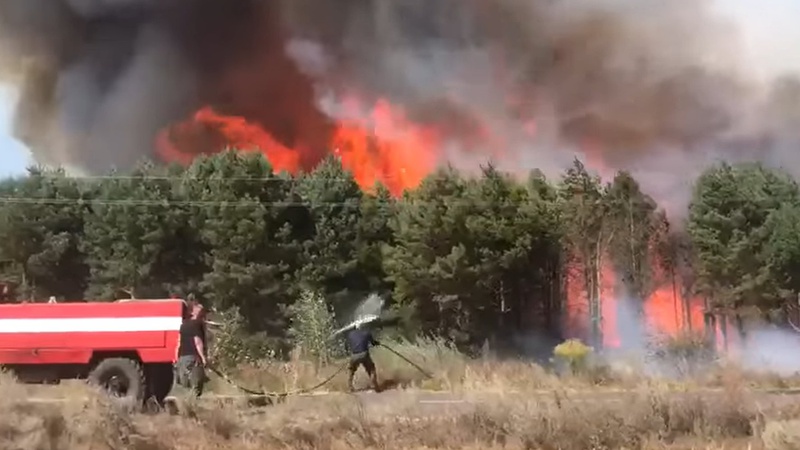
370, 306
367, 311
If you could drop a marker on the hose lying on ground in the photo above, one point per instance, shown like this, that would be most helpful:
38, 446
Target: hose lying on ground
315, 387
278, 394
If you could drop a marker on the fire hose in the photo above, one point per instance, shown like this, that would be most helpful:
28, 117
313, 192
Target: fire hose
412, 363
339, 370
278, 394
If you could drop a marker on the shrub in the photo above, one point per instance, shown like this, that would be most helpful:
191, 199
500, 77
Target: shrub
312, 325
233, 346
572, 354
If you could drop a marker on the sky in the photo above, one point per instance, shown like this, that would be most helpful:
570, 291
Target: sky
14, 157
770, 32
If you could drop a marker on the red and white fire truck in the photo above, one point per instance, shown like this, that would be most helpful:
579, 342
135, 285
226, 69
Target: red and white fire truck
127, 347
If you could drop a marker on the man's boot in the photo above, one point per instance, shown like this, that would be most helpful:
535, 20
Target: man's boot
374, 378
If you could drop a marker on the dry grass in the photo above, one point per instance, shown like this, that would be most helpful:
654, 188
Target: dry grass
453, 371
637, 419
512, 405
782, 435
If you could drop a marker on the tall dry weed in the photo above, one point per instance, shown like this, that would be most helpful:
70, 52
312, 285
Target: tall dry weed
782, 435
646, 418
509, 404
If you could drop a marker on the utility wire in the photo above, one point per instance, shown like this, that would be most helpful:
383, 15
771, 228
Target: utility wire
273, 178
239, 203
167, 203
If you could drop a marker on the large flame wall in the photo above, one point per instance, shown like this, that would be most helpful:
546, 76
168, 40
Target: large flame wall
623, 319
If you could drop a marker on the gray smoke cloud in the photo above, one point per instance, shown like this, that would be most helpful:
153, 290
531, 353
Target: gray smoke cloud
658, 88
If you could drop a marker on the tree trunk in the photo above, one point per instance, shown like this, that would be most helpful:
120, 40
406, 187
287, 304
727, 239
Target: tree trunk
634, 280
687, 306
724, 329
710, 325
550, 291
675, 300
560, 289
740, 328
598, 321
589, 286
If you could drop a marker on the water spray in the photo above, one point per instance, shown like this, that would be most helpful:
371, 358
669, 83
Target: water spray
369, 313
358, 323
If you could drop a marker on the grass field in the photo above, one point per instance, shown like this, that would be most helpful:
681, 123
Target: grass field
529, 408
453, 371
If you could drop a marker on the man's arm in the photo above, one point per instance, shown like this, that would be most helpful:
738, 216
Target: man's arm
198, 344
372, 340
177, 347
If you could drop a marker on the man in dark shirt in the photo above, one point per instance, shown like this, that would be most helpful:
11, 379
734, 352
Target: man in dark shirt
190, 353
359, 341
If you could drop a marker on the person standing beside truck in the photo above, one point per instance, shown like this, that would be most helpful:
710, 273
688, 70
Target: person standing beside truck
191, 351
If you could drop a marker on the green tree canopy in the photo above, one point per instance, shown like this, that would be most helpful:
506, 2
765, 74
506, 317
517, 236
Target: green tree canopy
731, 227
41, 224
469, 257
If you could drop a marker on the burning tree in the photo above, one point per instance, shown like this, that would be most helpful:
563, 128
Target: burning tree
589, 233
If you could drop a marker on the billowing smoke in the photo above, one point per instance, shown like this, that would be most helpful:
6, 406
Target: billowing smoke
100, 78
651, 86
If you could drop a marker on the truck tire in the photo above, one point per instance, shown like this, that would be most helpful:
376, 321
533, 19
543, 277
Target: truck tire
160, 379
121, 377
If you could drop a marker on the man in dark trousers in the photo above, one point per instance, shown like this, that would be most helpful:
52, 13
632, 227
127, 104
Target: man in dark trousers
359, 341
190, 354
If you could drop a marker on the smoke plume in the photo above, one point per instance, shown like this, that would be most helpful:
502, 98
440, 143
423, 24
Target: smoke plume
654, 87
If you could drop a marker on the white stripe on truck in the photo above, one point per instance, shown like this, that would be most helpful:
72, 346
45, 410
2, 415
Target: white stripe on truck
90, 324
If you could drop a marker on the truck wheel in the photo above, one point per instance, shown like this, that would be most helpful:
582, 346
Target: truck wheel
122, 377
160, 379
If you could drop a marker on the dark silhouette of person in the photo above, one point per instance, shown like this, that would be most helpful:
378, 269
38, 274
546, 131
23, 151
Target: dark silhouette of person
359, 341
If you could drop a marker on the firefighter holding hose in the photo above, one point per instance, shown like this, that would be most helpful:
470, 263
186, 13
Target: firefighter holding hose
359, 341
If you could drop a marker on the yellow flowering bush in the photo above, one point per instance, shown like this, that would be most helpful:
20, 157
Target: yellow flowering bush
573, 354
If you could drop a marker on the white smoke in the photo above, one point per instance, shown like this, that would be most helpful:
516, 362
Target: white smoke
13, 154
770, 349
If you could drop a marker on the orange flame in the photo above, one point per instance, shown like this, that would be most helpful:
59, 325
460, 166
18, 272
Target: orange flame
381, 145
396, 152
208, 132
664, 310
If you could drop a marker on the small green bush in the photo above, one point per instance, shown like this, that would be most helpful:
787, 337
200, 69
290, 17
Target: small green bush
231, 344
312, 326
